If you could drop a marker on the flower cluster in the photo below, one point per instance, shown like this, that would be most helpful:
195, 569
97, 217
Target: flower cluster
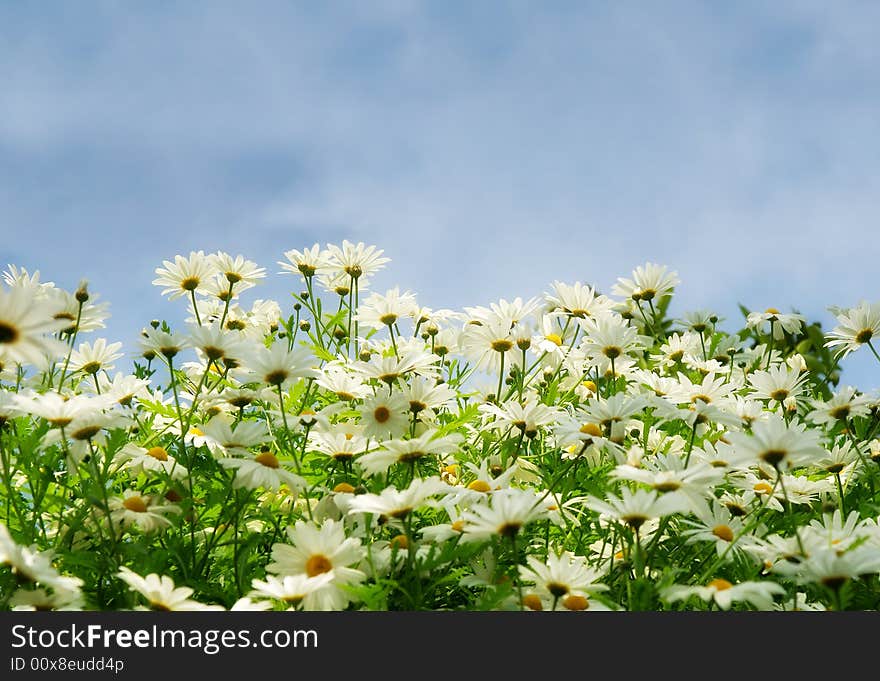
578, 450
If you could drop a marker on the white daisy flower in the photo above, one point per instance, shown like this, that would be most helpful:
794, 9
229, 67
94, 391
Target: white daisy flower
160, 592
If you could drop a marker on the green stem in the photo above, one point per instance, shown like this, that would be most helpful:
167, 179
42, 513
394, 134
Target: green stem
192, 295
500, 379
790, 511
226, 304
70, 349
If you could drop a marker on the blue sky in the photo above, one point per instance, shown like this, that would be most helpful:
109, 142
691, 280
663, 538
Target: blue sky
489, 148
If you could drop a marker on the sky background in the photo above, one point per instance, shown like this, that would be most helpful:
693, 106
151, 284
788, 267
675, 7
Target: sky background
489, 148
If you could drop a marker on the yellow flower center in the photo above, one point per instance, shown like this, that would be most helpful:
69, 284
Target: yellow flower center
400, 542
532, 602
762, 488
196, 431
457, 526
771, 310
589, 385
158, 453
591, 429
667, 486
381, 414
720, 584
501, 345
554, 338
575, 602
318, 564
723, 532
136, 504
479, 486
267, 459
344, 487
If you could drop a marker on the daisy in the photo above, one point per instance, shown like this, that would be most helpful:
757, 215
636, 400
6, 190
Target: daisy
384, 416
409, 451
648, 281
390, 369
358, 261
777, 444
564, 578
237, 270
504, 312
779, 322
675, 348
221, 437
755, 490
122, 388
614, 413
832, 530
380, 311
160, 592
578, 300
856, 327
838, 459
528, 417
134, 508
490, 345
217, 344
426, 396
710, 390
185, 275
724, 594
339, 441
307, 262
397, 504
503, 514
60, 411
716, 524
240, 397
66, 308
668, 473
846, 403
262, 471
25, 322
42, 600
90, 358
486, 477
832, 568
279, 366
137, 460
165, 343
778, 383
635, 508
700, 321
319, 549
86, 426
609, 336
33, 565
291, 589
343, 384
